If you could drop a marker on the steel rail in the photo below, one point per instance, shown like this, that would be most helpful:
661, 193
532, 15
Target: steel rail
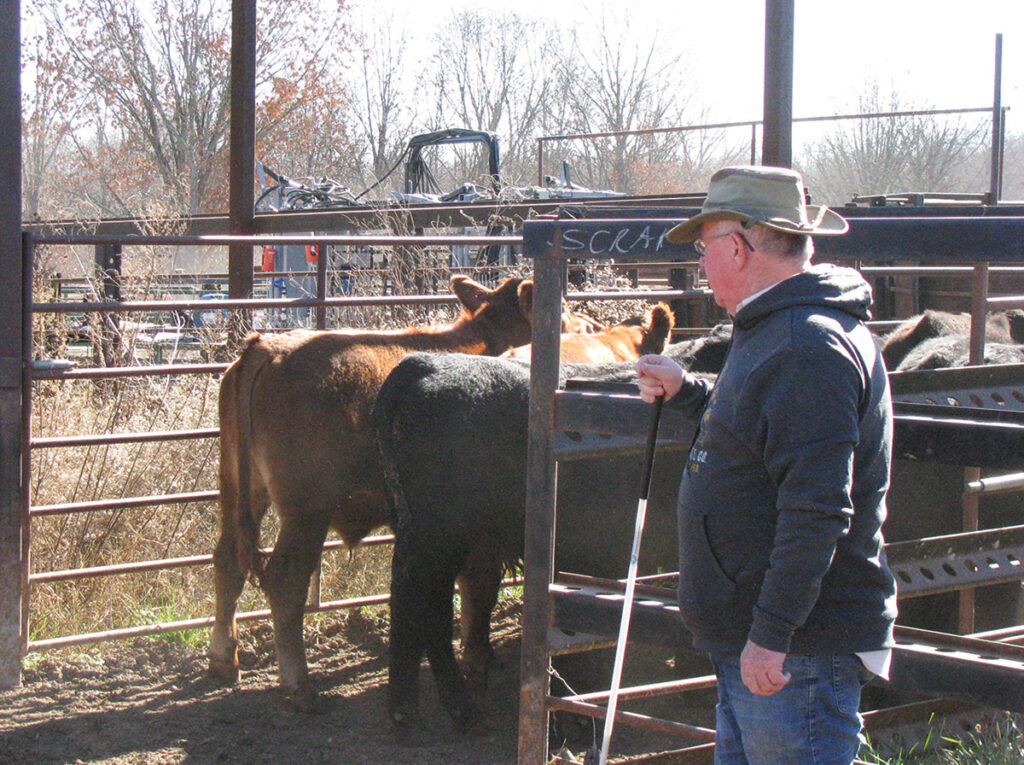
96, 373
269, 240
151, 306
651, 690
207, 621
122, 438
683, 730
129, 502
169, 563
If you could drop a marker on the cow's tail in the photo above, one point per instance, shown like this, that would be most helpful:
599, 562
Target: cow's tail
657, 329
388, 421
255, 356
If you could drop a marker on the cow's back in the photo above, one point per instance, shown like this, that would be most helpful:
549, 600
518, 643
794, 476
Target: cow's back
309, 402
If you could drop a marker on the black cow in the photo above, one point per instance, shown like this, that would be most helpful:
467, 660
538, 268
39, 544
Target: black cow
1005, 327
954, 351
453, 436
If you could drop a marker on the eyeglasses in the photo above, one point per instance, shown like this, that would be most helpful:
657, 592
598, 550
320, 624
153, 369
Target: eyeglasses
701, 245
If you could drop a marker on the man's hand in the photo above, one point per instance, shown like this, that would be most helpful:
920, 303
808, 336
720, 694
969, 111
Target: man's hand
761, 669
658, 375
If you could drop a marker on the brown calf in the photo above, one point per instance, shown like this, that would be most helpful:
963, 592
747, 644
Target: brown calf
623, 342
295, 433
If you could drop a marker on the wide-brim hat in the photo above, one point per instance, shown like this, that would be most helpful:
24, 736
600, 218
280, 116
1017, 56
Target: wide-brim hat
769, 196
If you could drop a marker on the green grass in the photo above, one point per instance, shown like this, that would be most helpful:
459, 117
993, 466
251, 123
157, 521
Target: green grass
994, 742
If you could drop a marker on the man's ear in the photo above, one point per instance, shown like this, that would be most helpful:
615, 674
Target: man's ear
741, 253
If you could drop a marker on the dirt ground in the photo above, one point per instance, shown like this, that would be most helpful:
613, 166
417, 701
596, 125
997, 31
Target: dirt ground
149, 702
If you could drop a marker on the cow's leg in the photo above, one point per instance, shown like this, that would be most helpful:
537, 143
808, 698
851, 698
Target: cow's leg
286, 582
479, 582
406, 642
229, 580
438, 594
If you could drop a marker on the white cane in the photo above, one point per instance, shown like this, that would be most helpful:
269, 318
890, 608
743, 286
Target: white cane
627, 602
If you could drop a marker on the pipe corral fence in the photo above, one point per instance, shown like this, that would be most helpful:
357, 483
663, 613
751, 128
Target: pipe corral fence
961, 242
39, 371
972, 417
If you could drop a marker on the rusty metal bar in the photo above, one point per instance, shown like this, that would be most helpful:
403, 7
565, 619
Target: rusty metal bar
321, 287
257, 240
683, 730
112, 504
746, 123
538, 550
192, 624
97, 373
996, 165
777, 141
242, 147
169, 563
13, 306
979, 316
122, 438
368, 300
651, 690
27, 271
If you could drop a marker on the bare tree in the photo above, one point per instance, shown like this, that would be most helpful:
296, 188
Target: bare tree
908, 153
612, 83
47, 116
492, 73
384, 106
156, 74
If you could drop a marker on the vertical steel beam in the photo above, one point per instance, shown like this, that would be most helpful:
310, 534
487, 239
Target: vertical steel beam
777, 141
541, 484
12, 361
996, 173
243, 145
979, 317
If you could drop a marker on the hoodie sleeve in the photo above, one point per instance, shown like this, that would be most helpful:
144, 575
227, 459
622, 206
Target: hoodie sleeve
693, 395
810, 426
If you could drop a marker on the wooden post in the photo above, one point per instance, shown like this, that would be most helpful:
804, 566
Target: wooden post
13, 408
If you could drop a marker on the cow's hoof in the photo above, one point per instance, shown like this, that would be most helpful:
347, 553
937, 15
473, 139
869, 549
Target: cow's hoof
305, 700
224, 672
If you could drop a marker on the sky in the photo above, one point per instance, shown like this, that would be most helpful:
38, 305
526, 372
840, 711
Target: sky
935, 54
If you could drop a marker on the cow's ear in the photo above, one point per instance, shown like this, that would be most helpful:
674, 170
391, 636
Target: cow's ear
526, 298
471, 294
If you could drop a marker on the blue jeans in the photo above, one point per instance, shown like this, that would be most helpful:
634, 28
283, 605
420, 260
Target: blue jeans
813, 720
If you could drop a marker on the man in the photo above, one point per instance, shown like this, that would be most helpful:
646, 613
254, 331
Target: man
783, 578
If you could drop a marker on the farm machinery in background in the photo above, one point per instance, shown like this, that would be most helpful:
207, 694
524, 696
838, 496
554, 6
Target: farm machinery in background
420, 189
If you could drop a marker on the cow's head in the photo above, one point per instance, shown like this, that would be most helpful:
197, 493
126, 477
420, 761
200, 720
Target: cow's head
504, 314
571, 320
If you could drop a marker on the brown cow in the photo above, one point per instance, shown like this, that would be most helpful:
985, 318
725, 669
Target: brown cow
624, 342
295, 433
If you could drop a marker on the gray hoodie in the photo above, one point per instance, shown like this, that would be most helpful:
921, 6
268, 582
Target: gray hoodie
782, 501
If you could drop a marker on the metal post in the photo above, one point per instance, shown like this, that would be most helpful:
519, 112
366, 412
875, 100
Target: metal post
979, 315
777, 141
321, 286
13, 551
242, 153
541, 485
995, 176
540, 162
